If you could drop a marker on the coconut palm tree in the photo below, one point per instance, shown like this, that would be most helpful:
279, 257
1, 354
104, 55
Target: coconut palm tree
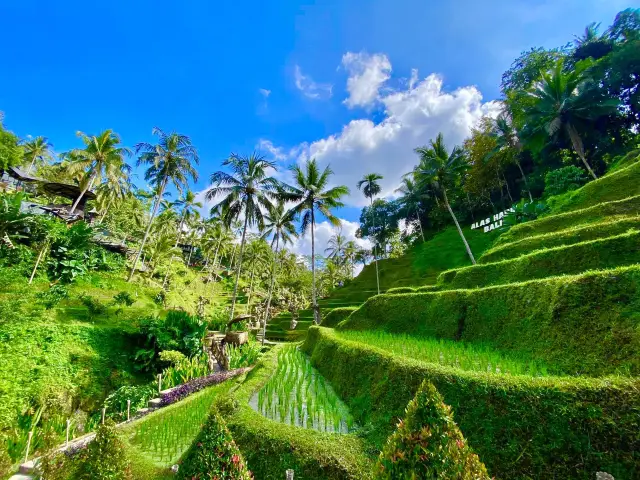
411, 198
244, 191
37, 150
370, 187
187, 202
440, 170
506, 137
102, 157
566, 102
280, 227
116, 187
311, 194
336, 246
171, 160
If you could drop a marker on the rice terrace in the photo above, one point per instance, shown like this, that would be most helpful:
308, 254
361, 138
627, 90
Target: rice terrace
392, 275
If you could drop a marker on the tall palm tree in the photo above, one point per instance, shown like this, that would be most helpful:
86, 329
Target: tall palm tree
336, 246
440, 170
116, 187
187, 202
37, 149
411, 197
244, 191
370, 187
311, 194
280, 227
566, 102
171, 160
506, 136
102, 157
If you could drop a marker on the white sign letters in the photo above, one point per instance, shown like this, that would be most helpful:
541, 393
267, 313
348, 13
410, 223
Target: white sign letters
491, 223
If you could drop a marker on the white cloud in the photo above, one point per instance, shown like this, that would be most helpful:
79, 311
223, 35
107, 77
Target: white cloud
264, 92
367, 73
309, 88
413, 116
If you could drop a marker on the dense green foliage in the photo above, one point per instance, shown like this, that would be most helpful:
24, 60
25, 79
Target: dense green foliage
105, 457
10, 151
545, 427
428, 444
271, 447
213, 454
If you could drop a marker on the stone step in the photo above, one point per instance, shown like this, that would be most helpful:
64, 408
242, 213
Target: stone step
29, 467
22, 476
155, 403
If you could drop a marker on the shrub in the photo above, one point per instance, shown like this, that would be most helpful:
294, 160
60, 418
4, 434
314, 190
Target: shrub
213, 454
50, 298
428, 444
185, 370
619, 250
244, 355
565, 179
94, 306
105, 457
177, 331
521, 427
582, 324
171, 357
116, 403
123, 298
336, 315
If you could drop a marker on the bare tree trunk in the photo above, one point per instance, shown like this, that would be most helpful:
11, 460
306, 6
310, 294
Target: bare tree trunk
35, 267
239, 267
314, 300
420, 225
578, 146
84, 190
455, 220
375, 257
273, 280
146, 233
524, 179
506, 184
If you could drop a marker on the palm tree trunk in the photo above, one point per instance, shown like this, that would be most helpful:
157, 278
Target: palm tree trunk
506, 184
35, 267
455, 220
375, 257
314, 299
33, 163
215, 259
146, 233
239, 267
190, 253
166, 275
524, 179
578, 146
253, 269
420, 224
84, 190
273, 280
106, 210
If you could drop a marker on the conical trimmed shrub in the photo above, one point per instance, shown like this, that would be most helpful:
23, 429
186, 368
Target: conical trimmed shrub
428, 444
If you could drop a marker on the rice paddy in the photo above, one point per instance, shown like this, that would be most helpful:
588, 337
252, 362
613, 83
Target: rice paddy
298, 395
474, 357
166, 435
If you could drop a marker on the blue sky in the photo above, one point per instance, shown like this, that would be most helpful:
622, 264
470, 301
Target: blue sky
330, 79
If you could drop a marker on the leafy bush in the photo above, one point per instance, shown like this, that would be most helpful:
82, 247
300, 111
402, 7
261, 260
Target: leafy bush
565, 179
523, 212
185, 370
70, 253
244, 355
171, 357
56, 293
139, 395
214, 454
94, 306
428, 444
105, 458
177, 331
336, 315
123, 298
521, 427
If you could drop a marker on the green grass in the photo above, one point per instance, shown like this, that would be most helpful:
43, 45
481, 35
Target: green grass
520, 426
569, 236
586, 324
462, 355
163, 436
618, 250
298, 395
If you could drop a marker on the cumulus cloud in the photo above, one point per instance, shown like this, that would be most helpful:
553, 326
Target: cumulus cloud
309, 88
412, 117
367, 73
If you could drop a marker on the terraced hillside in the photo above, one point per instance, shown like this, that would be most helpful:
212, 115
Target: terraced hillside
536, 348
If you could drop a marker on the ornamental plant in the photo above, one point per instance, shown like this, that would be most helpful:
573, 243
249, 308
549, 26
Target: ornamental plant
214, 454
428, 444
105, 458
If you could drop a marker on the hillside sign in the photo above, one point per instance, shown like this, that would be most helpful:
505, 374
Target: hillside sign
491, 223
